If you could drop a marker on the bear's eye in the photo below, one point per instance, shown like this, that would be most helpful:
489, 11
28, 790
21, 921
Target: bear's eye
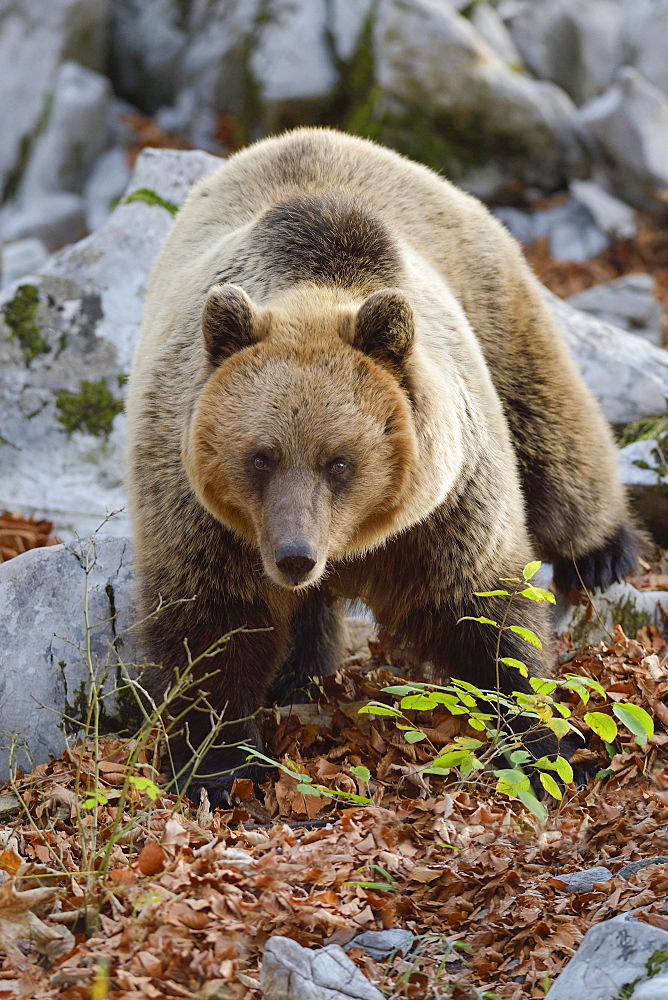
261, 463
337, 467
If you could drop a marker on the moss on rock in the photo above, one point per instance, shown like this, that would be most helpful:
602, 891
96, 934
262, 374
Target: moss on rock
92, 409
20, 315
151, 197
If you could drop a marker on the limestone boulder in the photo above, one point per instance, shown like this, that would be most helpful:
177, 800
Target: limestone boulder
46, 596
67, 336
36, 38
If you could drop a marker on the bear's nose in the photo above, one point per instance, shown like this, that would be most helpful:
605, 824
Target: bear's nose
296, 559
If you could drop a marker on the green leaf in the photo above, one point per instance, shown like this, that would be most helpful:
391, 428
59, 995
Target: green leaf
95, 798
491, 593
382, 886
363, 773
375, 708
602, 725
419, 702
531, 569
550, 785
517, 664
145, 785
558, 726
401, 689
538, 594
468, 742
564, 769
454, 758
562, 709
414, 736
636, 720
510, 779
542, 686
481, 619
533, 805
526, 634
476, 724
575, 681
310, 790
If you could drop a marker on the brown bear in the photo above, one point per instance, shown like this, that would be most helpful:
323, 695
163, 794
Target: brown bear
348, 382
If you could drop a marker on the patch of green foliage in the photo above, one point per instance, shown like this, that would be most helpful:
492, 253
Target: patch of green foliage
92, 409
643, 430
20, 315
151, 197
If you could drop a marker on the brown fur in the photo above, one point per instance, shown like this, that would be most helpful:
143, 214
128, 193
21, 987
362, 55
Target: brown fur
348, 381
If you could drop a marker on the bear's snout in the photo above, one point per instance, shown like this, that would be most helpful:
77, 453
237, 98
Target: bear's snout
296, 559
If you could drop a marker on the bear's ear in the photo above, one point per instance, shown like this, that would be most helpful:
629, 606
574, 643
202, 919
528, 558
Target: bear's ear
384, 327
230, 322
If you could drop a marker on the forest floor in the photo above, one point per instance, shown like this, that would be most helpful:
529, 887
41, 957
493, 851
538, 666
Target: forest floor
110, 895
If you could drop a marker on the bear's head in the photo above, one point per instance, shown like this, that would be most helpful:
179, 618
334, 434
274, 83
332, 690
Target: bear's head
302, 440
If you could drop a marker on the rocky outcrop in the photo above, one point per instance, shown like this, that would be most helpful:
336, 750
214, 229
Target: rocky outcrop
67, 335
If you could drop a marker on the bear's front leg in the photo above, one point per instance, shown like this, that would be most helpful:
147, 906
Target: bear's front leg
216, 708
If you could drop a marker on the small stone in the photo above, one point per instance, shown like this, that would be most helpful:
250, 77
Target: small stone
380, 944
290, 972
612, 216
628, 302
583, 881
635, 866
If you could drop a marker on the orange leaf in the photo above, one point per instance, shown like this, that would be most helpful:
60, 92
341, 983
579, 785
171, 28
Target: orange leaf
151, 859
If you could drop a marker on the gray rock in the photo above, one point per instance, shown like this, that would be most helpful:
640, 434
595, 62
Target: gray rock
645, 27
35, 38
628, 375
431, 60
643, 466
629, 124
55, 218
653, 989
635, 866
83, 311
230, 56
628, 302
520, 224
491, 28
642, 463
44, 672
290, 972
612, 216
380, 944
571, 230
583, 881
614, 955
620, 604
74, 136
106, 183
20, 258
576, 45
